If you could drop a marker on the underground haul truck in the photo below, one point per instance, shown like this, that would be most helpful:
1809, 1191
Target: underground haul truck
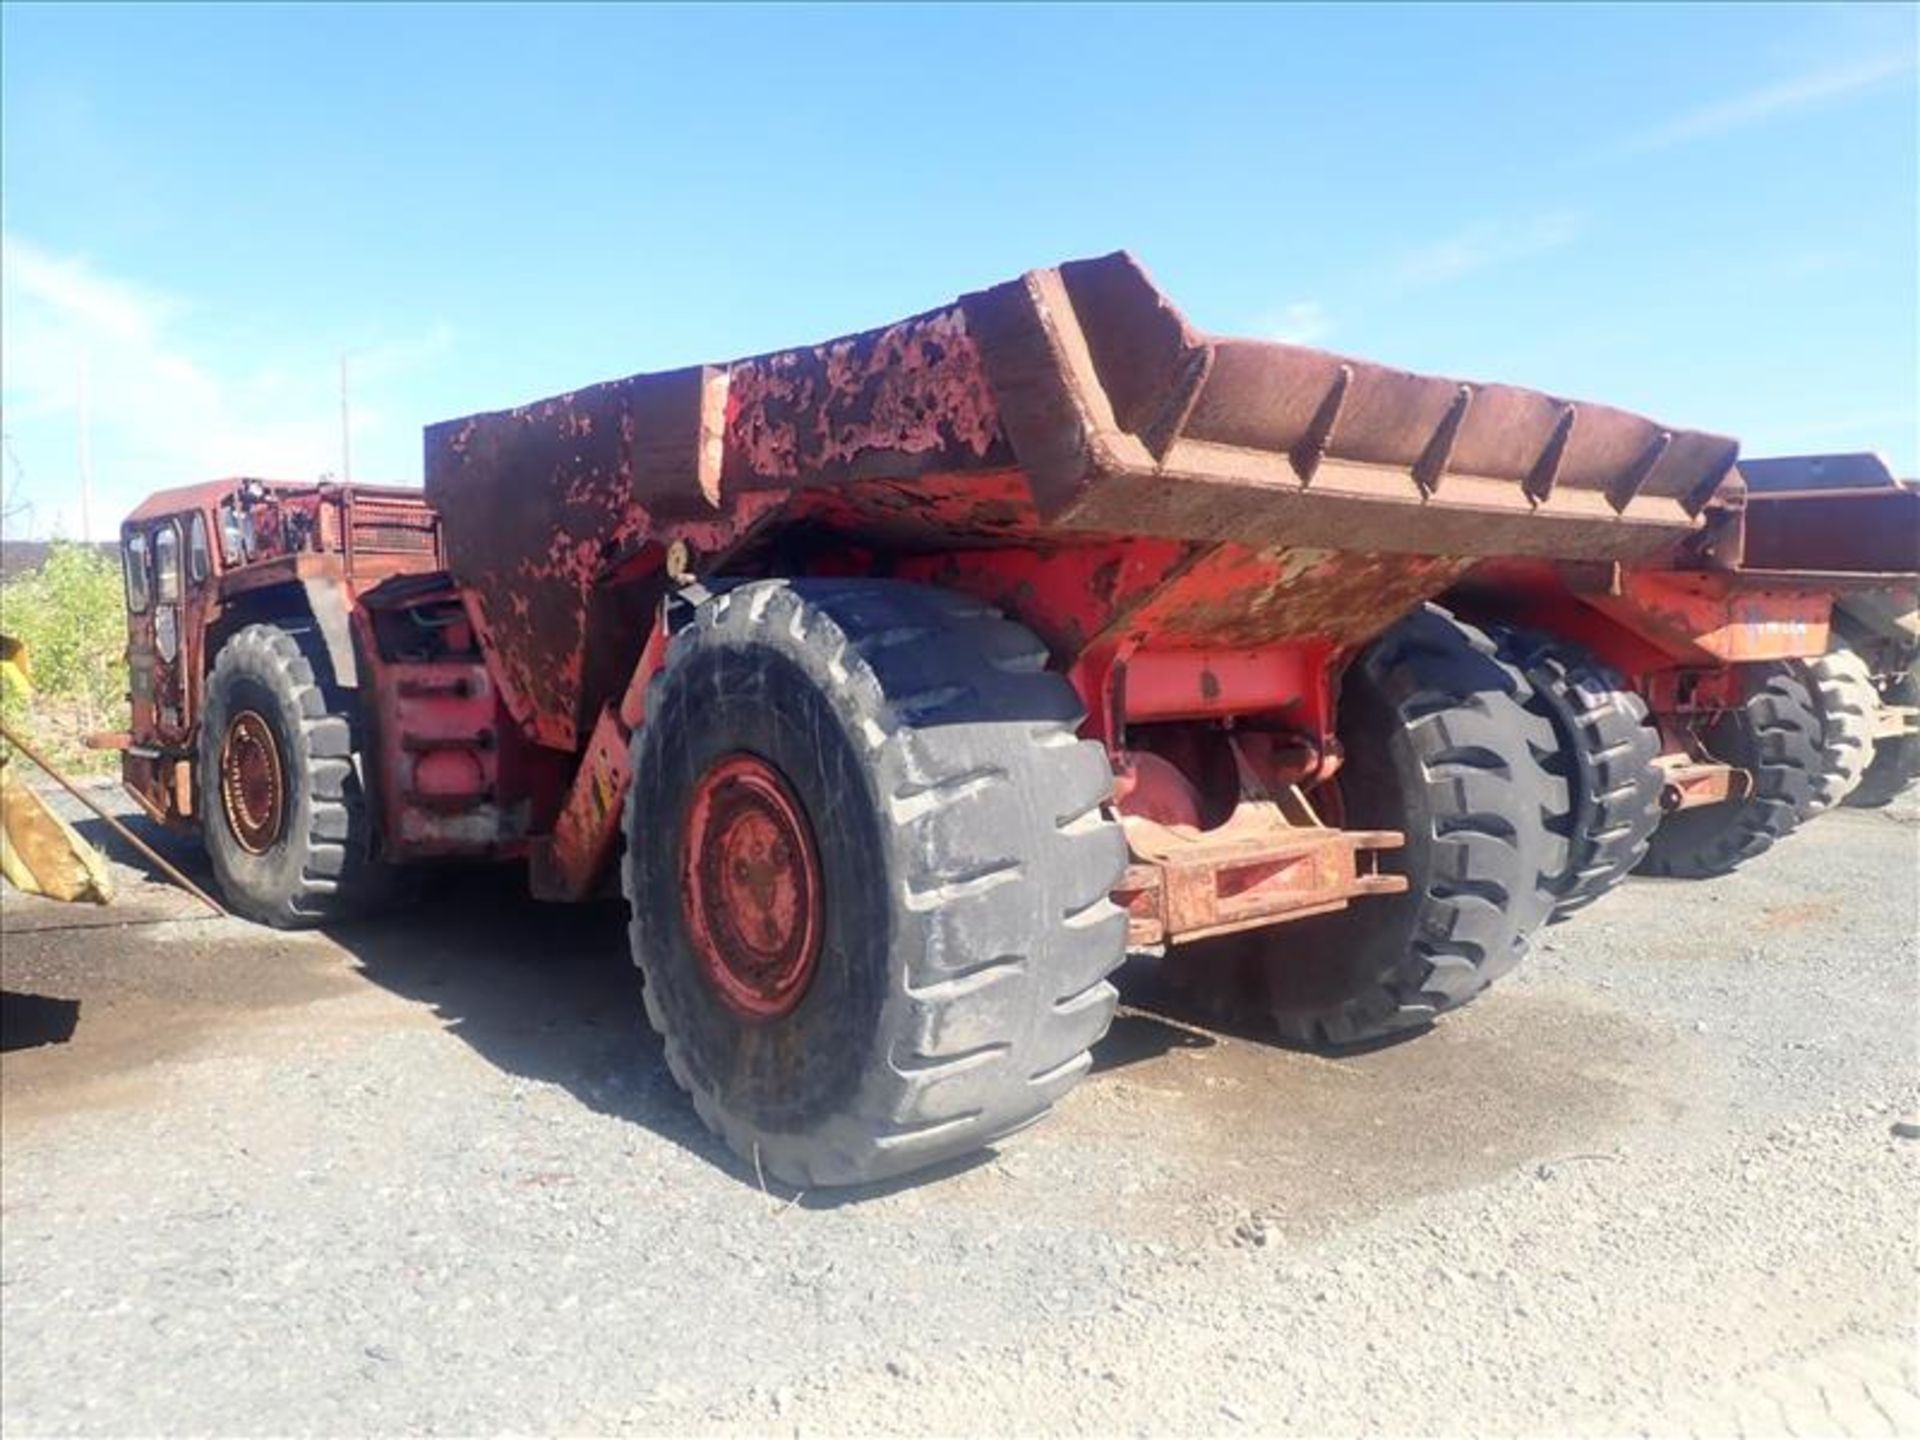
1712, 696
1848, 519
904, 682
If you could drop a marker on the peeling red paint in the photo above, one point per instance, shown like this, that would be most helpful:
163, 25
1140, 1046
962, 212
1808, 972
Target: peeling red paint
915, 389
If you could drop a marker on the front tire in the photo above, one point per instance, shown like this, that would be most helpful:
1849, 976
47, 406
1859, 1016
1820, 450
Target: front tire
285, 821
869, 871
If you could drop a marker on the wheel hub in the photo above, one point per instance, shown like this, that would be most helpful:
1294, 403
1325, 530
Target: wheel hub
751, 886
252, 783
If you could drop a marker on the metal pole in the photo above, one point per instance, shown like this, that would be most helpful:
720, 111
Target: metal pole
125, 834
346, 433
86, 459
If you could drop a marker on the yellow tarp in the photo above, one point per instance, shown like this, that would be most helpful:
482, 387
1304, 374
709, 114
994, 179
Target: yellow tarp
13, 668
40, 853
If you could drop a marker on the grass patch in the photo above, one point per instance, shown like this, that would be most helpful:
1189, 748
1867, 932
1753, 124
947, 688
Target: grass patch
71, 614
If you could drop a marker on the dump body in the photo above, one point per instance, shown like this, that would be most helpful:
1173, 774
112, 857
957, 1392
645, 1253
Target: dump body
1069, 415
1845, 516
1848, 522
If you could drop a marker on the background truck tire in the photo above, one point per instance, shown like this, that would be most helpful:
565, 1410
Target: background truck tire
1439, 744
950, 845
1896, 760
283, 814
1775, 736
1844, 694
1608, 748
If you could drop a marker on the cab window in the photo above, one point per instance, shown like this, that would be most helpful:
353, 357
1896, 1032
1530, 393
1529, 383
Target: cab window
166, 564
139, 591
199, 560
233, 542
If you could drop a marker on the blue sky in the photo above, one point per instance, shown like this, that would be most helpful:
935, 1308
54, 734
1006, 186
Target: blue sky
1708, 214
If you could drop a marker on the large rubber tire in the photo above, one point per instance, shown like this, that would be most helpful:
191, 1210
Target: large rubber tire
1608, 746
963, 852
320, 866
1774, 735
1896, 759
1844, 694
1440, 745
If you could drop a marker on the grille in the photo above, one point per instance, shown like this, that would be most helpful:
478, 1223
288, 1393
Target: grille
393, 528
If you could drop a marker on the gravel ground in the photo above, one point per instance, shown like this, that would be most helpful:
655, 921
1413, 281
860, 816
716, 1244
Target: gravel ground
430, 1175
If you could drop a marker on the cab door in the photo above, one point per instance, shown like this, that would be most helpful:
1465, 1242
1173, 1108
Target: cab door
170, 667
152, 554
136, 559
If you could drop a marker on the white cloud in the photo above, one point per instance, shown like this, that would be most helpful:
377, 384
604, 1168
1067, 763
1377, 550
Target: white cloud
72, 332
109, 307
1815, 87
1304, 322
164, 409
1482, 247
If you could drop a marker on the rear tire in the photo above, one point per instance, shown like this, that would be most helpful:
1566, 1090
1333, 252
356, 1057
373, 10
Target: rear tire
928, 977
1896, 760
1844, 695
1608, 749
1774, 735
284, 817
1440, 745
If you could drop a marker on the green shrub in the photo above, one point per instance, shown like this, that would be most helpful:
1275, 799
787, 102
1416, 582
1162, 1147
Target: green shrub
71, 613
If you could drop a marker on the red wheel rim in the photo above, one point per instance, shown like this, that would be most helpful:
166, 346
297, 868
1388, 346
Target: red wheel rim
252, 787
751, 886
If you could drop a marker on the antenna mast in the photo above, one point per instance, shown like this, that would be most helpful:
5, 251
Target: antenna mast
346, 438
86, 457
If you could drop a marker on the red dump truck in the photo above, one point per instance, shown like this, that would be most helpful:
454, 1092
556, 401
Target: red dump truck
1710, 698
904, 681
1848, 520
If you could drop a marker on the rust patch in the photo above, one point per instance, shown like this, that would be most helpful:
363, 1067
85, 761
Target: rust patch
901, 401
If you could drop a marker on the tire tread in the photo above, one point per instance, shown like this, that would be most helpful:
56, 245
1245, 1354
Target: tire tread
989, 804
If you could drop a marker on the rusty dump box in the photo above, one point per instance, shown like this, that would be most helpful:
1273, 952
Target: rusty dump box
1848, 522
1846, 516
1045, 415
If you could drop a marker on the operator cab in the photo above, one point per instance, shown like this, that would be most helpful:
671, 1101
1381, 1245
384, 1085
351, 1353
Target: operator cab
201, 561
